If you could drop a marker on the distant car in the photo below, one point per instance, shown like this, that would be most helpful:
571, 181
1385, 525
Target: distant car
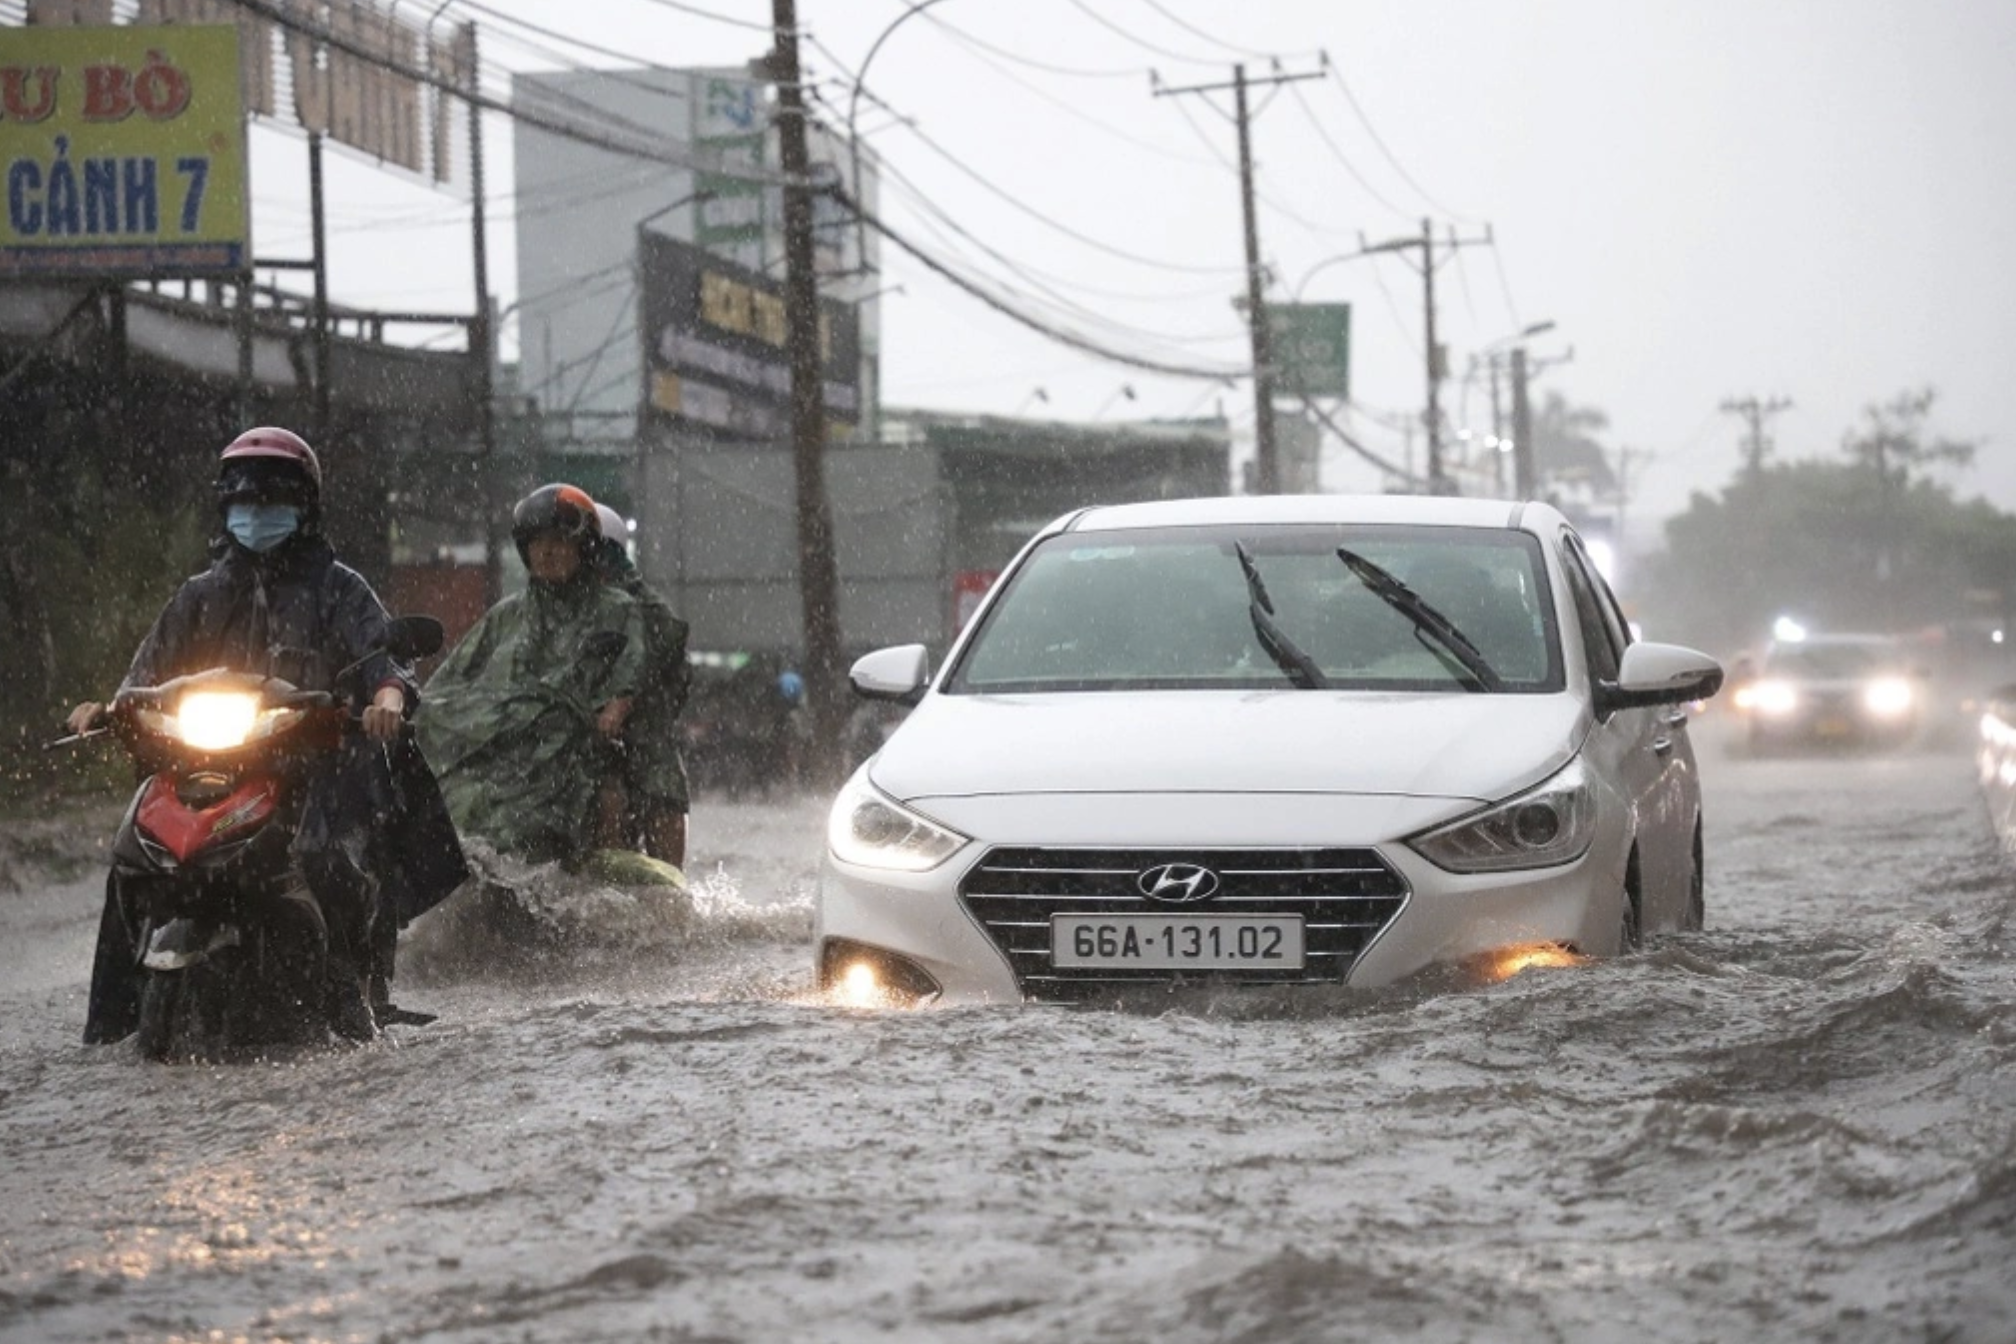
1827, 689
1301, 740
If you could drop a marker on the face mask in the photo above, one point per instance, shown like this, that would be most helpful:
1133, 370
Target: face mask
261, 527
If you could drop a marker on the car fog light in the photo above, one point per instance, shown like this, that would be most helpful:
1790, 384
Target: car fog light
1495, 967
854, 975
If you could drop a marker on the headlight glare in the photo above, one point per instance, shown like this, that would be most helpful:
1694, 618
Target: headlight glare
872, 831
1541, 828
1774, 697
1887, 697
216, 720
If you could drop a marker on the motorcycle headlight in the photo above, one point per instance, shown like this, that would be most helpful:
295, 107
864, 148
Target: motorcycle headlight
222, 720
1545, 826
216, 720
872, 831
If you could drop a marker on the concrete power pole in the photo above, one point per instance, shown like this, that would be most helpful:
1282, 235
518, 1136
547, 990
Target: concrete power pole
1755, 413
1431, 415
1525, 465
1267, 460
818, 575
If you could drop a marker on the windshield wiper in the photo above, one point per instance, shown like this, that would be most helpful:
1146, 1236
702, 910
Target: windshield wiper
1455, 648
1299, 666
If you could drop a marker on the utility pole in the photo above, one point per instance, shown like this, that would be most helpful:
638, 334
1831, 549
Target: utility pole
482, 338
1755, 413
1525, 468
1431, 417
1267, 460
1497, 428
818, 577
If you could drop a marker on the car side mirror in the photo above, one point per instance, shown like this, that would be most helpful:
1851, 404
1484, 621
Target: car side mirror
413, 637
1659, 674
900, 673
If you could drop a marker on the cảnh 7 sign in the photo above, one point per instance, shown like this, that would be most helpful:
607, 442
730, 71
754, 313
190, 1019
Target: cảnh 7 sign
122, 153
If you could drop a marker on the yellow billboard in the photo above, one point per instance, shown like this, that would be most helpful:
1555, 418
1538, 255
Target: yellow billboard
122, 151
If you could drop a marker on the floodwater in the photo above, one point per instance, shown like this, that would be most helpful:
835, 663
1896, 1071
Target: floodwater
1798, 1125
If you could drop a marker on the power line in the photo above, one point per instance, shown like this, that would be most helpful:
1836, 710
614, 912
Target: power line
1068, 109
1137, 40
1371, 130
1060, 335
650, 146
1338, 153
1074, 72
1195, 31
1504, 285
1018, 203
1320, 230
698, 12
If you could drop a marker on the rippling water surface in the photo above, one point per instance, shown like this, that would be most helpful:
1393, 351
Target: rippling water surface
1799, 1125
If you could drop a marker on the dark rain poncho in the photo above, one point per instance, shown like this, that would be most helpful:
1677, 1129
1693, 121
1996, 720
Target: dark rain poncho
654, 767
509, 719
300, 614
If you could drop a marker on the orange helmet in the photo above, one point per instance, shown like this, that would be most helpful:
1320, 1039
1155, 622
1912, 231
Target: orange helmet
565, 510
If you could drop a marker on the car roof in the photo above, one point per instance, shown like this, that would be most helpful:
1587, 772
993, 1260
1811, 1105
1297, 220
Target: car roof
1411, 510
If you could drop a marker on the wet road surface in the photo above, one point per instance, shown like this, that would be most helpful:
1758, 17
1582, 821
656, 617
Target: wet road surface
1798, 1125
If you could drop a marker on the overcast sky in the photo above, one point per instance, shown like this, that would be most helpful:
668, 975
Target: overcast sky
1710, 198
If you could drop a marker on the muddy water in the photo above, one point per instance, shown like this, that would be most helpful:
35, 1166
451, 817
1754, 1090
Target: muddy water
1798, 1125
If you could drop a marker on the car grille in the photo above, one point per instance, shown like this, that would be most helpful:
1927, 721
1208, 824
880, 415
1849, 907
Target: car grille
1344, 896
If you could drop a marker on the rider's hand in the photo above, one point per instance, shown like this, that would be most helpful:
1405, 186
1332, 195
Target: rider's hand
610, 721
386, 714
85, 717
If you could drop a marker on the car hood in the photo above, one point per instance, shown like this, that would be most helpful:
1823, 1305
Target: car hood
1460, 745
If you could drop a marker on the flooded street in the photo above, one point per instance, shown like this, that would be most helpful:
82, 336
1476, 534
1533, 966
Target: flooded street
1798, 1125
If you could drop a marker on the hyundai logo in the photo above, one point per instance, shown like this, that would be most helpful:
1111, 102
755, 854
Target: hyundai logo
1177, 883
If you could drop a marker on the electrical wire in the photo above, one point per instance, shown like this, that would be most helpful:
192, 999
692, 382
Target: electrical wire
1024, 207
1062, 336
1330, 423
1068, 109
728, 19
1310, 225
1337, 152
1504, 286
1074, 72
1337, 76
1137, 40
1195, 31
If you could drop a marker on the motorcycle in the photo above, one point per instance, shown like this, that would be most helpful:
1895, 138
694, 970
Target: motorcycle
232, 943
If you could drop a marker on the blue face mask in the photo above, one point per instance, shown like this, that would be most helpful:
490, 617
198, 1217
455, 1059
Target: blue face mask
261, 527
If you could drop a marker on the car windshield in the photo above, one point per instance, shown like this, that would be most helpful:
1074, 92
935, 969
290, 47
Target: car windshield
1832, 662
1172, 608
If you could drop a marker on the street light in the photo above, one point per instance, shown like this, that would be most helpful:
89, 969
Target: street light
854, 101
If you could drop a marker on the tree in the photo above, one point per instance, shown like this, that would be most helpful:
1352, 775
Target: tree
1893, 444
1566, 451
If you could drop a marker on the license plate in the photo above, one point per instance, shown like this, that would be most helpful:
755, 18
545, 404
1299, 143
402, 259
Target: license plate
1177, 942
1833, 727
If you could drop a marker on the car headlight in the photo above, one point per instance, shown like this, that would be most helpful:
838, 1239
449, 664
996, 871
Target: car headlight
872, 831
1887, 697
1774, 697
1545, 826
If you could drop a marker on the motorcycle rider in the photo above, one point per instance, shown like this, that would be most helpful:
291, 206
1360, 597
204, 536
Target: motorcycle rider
524, 720
654, 774
275, 600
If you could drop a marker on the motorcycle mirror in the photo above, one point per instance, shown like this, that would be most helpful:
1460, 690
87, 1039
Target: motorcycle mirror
412, 637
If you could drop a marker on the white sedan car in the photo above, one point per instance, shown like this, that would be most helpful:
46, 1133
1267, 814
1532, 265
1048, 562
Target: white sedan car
1317, 739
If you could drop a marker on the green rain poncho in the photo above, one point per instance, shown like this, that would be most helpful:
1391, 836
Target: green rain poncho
509, 719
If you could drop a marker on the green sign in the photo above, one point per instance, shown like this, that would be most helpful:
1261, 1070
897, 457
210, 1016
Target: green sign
1311, 347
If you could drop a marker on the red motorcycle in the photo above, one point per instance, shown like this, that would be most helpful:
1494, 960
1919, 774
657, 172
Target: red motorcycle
232, 941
